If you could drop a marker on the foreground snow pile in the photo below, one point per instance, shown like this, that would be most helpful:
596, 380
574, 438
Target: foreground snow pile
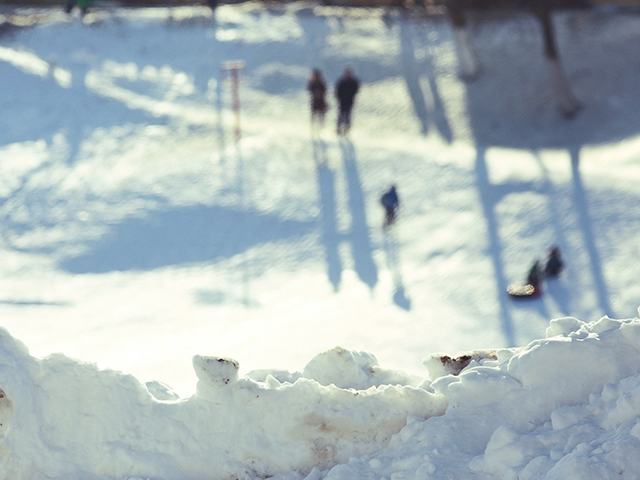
564, 407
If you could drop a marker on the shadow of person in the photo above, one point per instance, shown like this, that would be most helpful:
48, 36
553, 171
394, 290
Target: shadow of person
400, 298
319, 148
328, 222
361, 249
557, 290
391, 250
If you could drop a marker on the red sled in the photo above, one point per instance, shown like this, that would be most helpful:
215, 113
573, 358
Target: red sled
523, 291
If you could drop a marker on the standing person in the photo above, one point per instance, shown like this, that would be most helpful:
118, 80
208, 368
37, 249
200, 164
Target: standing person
554, 263
390, 202
318, 89
534, 277
346, 90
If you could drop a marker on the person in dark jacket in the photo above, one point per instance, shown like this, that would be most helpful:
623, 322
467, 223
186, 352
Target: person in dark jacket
534, 278
390, 202
317, 89
554, 263
346, 89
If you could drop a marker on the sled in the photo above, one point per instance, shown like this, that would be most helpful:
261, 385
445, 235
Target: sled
523, 291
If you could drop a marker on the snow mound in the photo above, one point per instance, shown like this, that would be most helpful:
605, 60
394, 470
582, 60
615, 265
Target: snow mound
567, 406
61, 416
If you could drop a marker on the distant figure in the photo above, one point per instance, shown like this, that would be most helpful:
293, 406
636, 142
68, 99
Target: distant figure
318, 89
83, 5
346, 90
390, 202
534, 277
554, 263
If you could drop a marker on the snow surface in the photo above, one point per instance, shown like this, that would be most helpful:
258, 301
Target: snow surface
164, 258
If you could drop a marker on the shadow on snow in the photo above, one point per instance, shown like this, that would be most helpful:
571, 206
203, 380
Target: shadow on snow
511, 106
358, 235
183, 236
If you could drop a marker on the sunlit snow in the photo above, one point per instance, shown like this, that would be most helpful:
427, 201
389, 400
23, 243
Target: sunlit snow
197, 305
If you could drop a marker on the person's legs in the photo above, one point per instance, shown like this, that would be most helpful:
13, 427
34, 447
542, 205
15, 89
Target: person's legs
341, 116
347, 116
390, 216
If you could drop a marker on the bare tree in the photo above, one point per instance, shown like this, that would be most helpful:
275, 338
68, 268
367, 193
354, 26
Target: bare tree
543, 9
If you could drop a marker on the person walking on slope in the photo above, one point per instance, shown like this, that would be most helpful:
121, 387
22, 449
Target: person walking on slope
318, 89
390, 202
346, 89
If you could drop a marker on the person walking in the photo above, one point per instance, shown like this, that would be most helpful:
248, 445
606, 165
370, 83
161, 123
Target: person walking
390, 202
346, 89
317, 89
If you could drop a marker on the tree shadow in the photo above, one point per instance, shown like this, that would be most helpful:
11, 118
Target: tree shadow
183, 236
72, 121
326, 179
584, 219
34, 303
495, 245
511, 106
361, 249
412, 73
554, 286
214, 298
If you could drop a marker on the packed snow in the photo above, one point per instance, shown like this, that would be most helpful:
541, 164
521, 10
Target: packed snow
181, 303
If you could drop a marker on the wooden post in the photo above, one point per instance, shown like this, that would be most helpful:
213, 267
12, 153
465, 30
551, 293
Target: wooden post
232, 70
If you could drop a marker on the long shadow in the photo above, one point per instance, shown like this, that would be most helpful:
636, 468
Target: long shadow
72, 120
330, 236
392, 251
412, 74
183, 236
490, 196
361, 249
582, 208
495, 245
328, 219
556, 287
561, 295
511, 105
219, 102
34, 303
244, 223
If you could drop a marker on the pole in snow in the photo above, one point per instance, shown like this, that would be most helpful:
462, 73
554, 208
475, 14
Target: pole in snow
232, 69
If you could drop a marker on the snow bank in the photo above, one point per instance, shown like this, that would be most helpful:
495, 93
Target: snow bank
65, 419
564, 407
567, 406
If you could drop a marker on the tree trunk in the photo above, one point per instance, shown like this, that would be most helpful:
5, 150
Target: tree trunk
567, 101
469, 64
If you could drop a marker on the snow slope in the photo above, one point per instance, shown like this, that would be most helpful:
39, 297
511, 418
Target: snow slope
137, 233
